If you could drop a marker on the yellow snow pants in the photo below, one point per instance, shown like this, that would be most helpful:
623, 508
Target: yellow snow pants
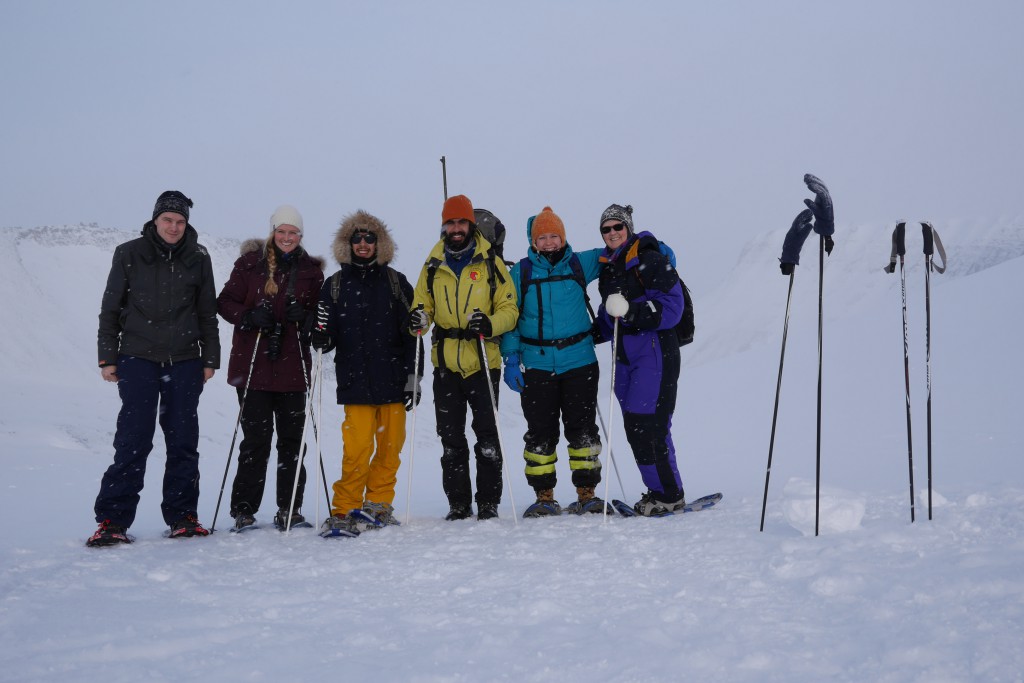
373, 437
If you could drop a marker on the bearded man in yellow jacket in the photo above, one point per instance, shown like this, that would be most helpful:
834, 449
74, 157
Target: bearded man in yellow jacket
466, 292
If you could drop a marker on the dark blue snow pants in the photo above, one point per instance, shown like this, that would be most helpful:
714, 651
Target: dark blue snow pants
150, 391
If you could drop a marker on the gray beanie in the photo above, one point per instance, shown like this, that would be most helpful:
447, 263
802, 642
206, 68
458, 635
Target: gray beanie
619, 213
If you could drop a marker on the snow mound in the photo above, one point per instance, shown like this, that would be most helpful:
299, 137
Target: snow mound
840, 511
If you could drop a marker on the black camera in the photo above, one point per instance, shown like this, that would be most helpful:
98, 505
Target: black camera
274, 342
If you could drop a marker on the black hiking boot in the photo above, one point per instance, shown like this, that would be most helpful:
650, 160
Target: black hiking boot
459, 512
487, 511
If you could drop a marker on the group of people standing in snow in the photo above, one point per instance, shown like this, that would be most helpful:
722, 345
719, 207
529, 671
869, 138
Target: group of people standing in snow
158, 340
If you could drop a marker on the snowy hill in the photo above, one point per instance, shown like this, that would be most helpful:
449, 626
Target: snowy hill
704, 595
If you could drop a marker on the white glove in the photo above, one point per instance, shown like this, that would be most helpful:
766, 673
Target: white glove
616, 305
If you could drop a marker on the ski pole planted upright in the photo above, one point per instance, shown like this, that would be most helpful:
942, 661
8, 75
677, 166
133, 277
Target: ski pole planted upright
611, 413
238, 421
824, 225
899, 250
791, 246
931, 241
412, 427
486, 371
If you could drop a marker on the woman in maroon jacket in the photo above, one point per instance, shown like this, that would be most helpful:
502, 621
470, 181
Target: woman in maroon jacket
271, 300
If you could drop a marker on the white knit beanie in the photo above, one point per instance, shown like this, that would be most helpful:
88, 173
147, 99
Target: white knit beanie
286, 215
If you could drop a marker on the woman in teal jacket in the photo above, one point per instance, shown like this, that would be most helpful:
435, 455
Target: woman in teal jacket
550, 360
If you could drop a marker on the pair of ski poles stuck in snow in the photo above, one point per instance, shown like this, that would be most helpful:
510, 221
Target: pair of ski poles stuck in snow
821, 210
314, 387
899, 249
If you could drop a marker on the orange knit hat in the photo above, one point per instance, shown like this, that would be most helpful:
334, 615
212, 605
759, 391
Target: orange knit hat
457, 207
547, 222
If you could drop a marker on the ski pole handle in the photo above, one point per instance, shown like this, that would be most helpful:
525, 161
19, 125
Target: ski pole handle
929, 242
321, 317
899, 239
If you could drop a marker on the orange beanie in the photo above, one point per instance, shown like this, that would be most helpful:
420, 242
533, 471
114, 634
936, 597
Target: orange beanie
457, 207
547, 222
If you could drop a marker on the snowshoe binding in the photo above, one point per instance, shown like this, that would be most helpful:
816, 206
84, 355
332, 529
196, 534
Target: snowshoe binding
339, 526
298, 521
244, 522
109, 533
187, 527
546, 505
374, 516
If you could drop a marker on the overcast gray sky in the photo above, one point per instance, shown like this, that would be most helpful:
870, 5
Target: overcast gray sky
704, 116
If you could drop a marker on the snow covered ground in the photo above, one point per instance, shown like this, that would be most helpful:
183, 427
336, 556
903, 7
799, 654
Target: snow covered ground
872, 598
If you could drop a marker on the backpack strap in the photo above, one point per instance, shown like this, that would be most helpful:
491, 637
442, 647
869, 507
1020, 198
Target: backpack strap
396, 287
336, 287
526, 279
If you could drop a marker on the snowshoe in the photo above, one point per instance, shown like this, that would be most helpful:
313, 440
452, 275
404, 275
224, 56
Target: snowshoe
649, 506
595, 505
187, 527
339, 525
244, 522
109, 534
374, 516
298, 521
546, 505
543, 508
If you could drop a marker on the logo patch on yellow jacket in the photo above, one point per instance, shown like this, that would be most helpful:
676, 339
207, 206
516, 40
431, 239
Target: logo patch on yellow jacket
474, 275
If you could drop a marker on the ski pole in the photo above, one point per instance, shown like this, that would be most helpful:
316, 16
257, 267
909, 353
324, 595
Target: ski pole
817, 461
311, 388
929, 248
320, 414
791, 246
317, 365
824, 225
486, 371
238, 421
444, 176
778, 391
611, 414
615, 464
931, 241
899, 248
412, 428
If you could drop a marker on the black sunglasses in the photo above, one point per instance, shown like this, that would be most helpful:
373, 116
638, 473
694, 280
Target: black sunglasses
367, 237
605, 229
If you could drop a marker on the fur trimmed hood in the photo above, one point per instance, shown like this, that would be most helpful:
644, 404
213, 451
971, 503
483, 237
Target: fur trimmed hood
360, 220
258, 244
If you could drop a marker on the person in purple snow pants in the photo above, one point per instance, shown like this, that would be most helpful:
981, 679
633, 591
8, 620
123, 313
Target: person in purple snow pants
640, 287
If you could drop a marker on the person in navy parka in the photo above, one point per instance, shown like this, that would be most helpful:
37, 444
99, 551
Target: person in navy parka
640, 287
552, 341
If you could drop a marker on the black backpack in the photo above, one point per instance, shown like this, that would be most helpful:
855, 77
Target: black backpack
685, 327
491, 228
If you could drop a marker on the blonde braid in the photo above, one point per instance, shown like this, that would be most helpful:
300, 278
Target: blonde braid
271, 286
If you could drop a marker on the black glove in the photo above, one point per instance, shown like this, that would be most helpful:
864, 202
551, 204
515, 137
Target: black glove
824, 220
321, 341
480, 324
259, 318
794, 241
418, 321
294, 312
412, 387
597, 334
